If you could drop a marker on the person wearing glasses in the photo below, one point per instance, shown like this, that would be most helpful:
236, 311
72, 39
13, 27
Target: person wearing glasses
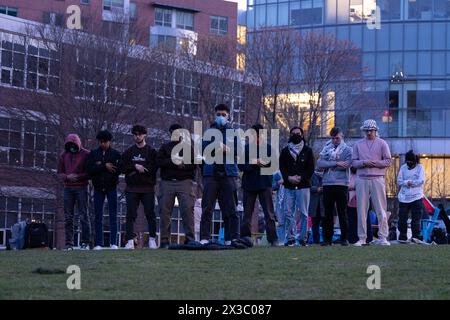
139, 167
335, 159
371, 157
219, 183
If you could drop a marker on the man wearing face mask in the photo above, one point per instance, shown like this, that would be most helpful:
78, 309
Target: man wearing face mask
219, 183
72, 171
176, 181
411, 179
297, 167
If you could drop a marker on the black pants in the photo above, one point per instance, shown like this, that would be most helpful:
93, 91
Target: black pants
416, 214
265, 199
334, 195
148, 201
352, 218
222, 189
315, 228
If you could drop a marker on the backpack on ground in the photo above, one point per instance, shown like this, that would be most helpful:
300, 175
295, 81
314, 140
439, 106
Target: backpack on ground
439, 236
36, 235
17, 240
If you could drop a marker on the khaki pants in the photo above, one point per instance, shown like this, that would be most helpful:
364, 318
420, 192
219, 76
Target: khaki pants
183, 191
375, 190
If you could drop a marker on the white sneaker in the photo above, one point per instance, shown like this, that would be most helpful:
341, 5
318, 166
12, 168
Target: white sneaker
98, 248
152, 243
228, 243
384, 242
204, 241
359, 243
130, 244
114, 247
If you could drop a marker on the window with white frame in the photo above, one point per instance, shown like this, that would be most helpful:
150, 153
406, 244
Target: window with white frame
10, 11
113, 5
219, 25
163, 17
27, 143
185, 20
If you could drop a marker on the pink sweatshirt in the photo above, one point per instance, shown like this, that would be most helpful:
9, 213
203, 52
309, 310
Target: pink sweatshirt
376, 150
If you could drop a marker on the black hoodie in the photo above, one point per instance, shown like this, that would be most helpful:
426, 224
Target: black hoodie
102, 179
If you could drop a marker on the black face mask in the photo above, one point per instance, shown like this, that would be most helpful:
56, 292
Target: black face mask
72, 147
410, 164
296, 139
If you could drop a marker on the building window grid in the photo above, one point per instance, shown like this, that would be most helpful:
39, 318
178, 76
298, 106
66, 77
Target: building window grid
26, 143
28, 66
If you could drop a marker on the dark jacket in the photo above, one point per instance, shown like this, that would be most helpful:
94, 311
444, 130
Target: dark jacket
316, 198
303, 167
139, 182
231, 169
252, 180
170, 171
73, 163
102, 179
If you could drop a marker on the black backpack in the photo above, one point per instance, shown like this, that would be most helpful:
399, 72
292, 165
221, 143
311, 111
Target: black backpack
36, 235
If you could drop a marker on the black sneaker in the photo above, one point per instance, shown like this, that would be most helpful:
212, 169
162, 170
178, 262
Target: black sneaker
290, 243
303, 243
84, 246
68, 248
344, 243
326, 244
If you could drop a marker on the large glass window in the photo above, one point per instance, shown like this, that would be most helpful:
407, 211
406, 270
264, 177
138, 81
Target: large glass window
419, 9
272, 15
260, 20
441, 9
283, 14
390, 9
425, 63
438, 36
410, 38
410, 63
396, 37
424, 36
307, 12
361, 10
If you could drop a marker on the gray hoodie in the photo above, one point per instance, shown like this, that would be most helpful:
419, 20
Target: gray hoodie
333, 174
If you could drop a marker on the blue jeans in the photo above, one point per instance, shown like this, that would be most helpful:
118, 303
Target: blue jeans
78, 196
296, 199
99, 199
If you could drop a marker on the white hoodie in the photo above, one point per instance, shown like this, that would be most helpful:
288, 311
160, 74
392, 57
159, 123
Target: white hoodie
417, 178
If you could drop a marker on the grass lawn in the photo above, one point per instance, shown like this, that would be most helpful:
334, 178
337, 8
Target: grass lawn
407, 272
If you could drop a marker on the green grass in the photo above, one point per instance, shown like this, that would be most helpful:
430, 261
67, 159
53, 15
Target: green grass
407, 272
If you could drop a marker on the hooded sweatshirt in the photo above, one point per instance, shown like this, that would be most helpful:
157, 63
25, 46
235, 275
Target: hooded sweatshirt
73, 163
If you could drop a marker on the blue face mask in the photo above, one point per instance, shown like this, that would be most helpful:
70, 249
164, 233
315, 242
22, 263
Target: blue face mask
221, 121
